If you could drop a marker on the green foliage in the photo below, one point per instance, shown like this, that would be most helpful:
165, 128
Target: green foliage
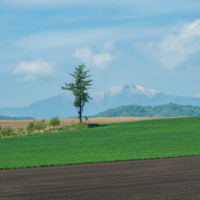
40, 125
21, 131
167, 110
31, 127
110, 142
7, 131
54, 122
73, 127
36, 125
79, 87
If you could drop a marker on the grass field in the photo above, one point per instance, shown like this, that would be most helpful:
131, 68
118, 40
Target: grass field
110, 142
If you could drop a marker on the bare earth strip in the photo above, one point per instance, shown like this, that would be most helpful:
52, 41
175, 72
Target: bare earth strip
23, 123
164, 179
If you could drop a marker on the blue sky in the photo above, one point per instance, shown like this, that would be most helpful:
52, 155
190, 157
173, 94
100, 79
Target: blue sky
152, 43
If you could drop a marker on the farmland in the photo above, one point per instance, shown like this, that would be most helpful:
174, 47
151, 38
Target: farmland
174, 178
15, 124
109, 142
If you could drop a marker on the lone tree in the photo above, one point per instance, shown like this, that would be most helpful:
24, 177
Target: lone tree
79, 87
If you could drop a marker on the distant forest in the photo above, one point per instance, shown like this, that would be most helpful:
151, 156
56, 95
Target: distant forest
167, 110
14, 118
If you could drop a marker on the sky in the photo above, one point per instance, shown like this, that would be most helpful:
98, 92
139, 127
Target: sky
154, 43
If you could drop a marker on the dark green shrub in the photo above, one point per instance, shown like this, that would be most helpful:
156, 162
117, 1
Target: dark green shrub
21, 131
7, 131
54, 122
31, 127
36, 126
40, 125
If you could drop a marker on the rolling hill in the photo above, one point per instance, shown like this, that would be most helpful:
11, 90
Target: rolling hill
167, 110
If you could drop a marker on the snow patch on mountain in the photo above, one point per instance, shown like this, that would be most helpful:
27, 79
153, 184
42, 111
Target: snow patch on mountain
145, 91
132, 89
126, 90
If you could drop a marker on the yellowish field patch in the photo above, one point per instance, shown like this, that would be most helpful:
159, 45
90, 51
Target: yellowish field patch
15, 124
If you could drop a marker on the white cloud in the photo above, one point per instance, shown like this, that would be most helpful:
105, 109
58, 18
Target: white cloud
68, 38
113, 91
178, 48
102, 59
42, 42
31, 71
99, 60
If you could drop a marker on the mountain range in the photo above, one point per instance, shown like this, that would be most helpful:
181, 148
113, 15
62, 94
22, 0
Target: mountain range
62, 104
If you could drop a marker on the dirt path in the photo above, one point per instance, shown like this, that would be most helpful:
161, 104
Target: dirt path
15, 124
164, 179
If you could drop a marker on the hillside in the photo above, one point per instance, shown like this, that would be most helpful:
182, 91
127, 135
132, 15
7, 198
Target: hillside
167, 110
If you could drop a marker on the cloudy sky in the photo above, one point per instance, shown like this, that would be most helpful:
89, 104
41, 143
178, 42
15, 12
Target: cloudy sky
152, 43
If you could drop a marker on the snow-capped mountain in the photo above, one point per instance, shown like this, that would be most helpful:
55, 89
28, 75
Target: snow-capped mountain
120, 95
128, 89
62, 105
132, 89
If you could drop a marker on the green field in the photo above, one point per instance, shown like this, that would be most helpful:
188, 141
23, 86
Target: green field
112, 142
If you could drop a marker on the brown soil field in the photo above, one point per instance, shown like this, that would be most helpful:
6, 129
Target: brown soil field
162, 179
15, 124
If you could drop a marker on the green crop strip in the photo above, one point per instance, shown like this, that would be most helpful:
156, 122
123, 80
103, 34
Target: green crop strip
112, 142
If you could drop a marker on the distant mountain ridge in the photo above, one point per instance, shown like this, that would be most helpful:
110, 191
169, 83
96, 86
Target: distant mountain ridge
2, 117
62, 105
167, 110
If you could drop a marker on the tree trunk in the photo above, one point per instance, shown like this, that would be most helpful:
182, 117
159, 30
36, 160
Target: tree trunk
80, 116
80, 119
